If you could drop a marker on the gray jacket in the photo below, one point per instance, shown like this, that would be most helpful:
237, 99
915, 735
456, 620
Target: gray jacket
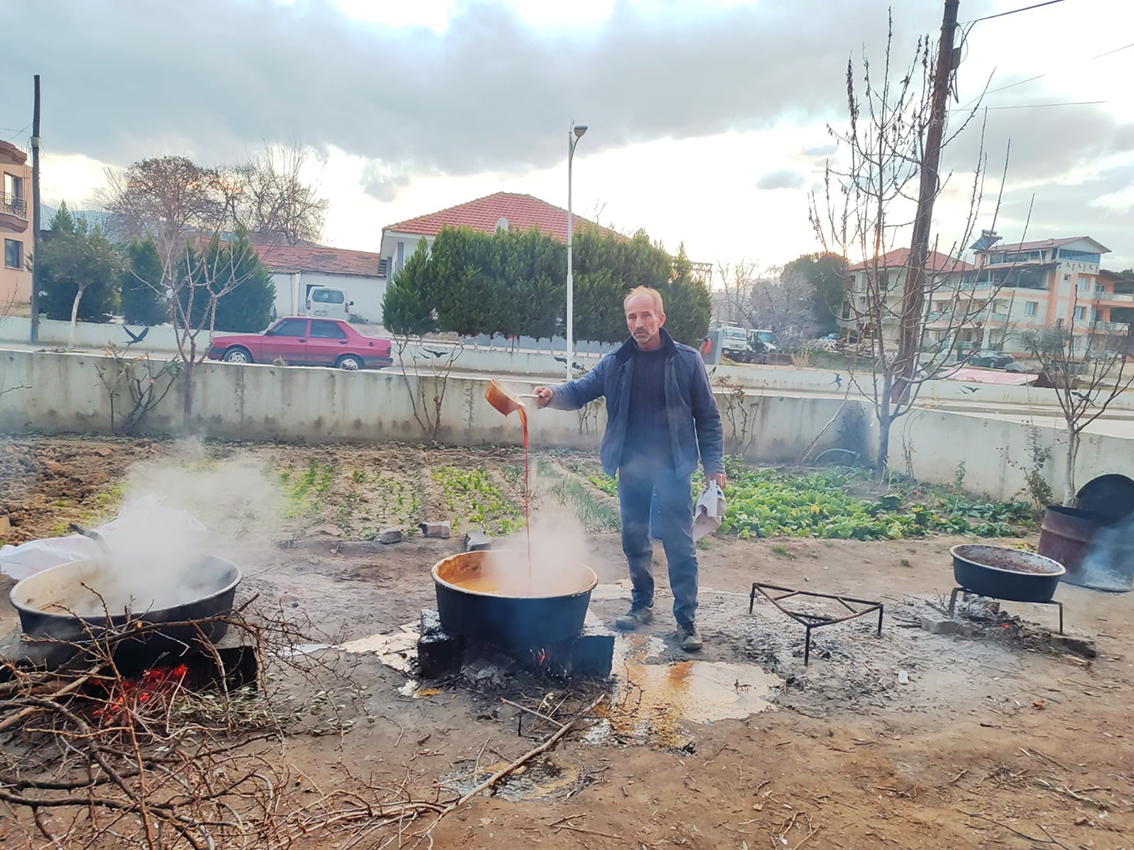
694, 419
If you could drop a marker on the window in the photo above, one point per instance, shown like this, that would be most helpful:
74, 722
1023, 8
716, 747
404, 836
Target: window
1031, 308
327, 330
1099, 288
327, 296
13, 254
1084, 284
401, 256
14, 187
290, 327
1080, 313
1066, 278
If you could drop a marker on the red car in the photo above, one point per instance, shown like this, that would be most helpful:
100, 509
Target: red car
300, 341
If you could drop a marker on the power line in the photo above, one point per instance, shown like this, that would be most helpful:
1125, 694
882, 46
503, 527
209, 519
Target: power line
1124, 47
17, 132
1013, 11
1040, 105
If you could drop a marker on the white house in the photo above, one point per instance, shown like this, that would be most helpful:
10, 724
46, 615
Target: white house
296, 269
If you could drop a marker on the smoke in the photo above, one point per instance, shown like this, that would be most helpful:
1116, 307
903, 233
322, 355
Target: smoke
179, 515
1109, 564
559, 555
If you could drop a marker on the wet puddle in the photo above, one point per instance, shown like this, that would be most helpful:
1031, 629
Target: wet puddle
653, 703
539, 779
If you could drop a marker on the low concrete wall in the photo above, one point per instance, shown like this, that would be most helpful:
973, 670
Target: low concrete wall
525, 362
998, 454
63, 393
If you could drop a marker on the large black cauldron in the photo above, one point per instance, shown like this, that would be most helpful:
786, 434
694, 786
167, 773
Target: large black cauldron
69, 604
487, 597
1004, 573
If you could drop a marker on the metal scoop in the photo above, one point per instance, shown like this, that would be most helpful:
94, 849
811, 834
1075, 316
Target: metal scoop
504, 400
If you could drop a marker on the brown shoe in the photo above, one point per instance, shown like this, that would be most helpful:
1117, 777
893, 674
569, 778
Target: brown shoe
689, 637
638, 616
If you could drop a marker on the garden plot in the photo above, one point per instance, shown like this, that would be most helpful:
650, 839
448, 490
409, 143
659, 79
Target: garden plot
947, 741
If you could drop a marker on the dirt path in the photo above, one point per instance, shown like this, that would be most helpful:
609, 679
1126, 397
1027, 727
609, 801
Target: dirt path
910, 740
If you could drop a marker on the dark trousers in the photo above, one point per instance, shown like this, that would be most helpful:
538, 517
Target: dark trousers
671, 494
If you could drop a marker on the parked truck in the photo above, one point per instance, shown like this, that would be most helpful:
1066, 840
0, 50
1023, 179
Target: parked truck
745, 345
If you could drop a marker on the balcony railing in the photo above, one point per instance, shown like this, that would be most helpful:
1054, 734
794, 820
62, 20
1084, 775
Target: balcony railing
12, 204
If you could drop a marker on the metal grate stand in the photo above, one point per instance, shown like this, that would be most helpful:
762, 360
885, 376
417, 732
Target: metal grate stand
814, 621
966, 593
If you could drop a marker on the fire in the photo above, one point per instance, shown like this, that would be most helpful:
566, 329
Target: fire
540, 657
154, 685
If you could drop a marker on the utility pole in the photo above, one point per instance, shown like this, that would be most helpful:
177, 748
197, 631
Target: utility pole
913, 299
35, 217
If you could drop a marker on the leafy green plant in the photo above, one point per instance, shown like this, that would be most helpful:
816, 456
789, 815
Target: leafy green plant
823, 505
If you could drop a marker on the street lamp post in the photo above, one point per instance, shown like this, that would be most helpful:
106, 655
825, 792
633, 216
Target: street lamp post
572, 140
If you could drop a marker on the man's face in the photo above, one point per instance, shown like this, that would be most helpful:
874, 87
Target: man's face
644, 321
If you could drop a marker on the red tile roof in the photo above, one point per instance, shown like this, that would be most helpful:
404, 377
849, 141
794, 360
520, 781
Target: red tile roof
899, 257
1044, 243
523, 212
319, 258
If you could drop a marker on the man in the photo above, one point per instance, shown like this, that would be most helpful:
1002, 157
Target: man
660, 411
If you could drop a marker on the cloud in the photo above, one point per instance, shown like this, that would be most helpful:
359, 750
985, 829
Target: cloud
821, 150
1089, 207
213, 78
785, 179
1045, 141
381, 183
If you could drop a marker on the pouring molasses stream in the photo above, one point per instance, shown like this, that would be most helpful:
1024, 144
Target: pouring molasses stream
506, 402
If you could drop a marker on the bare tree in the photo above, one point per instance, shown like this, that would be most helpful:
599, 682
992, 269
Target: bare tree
190, 212
783, 304
867, 206
1087, 363
731, 299
169, 199
278, 204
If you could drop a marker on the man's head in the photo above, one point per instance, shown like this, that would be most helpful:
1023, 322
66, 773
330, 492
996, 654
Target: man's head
645, 315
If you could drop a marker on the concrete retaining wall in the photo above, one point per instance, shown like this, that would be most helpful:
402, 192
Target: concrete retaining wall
62, 393
503, 361
998, 454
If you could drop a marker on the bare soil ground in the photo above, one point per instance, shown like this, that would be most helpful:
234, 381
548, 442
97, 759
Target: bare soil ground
909, 740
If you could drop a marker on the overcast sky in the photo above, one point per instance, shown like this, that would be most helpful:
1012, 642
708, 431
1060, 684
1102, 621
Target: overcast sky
708, 120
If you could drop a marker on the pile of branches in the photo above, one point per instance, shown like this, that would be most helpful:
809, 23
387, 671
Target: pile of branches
95, 756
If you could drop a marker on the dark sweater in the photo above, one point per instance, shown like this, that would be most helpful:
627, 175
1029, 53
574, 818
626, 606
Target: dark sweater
647, 428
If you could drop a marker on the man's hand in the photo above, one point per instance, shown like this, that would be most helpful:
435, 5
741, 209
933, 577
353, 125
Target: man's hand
719, 477
543, 396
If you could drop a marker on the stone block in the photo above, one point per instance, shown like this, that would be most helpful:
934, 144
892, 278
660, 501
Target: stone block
441, 530
438, 652
939, 625
5, 526
390, 535
477, 541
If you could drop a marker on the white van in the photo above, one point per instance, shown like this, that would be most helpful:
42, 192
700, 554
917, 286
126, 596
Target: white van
329, 302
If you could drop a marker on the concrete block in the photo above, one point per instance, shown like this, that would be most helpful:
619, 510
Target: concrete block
438, 652
390, 535
476, 541
939, 625
442, 530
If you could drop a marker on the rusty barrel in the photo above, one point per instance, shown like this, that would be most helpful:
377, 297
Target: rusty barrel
1096, 550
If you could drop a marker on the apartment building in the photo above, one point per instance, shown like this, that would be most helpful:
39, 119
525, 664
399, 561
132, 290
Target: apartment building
1025, 286
15, 227
887, 274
